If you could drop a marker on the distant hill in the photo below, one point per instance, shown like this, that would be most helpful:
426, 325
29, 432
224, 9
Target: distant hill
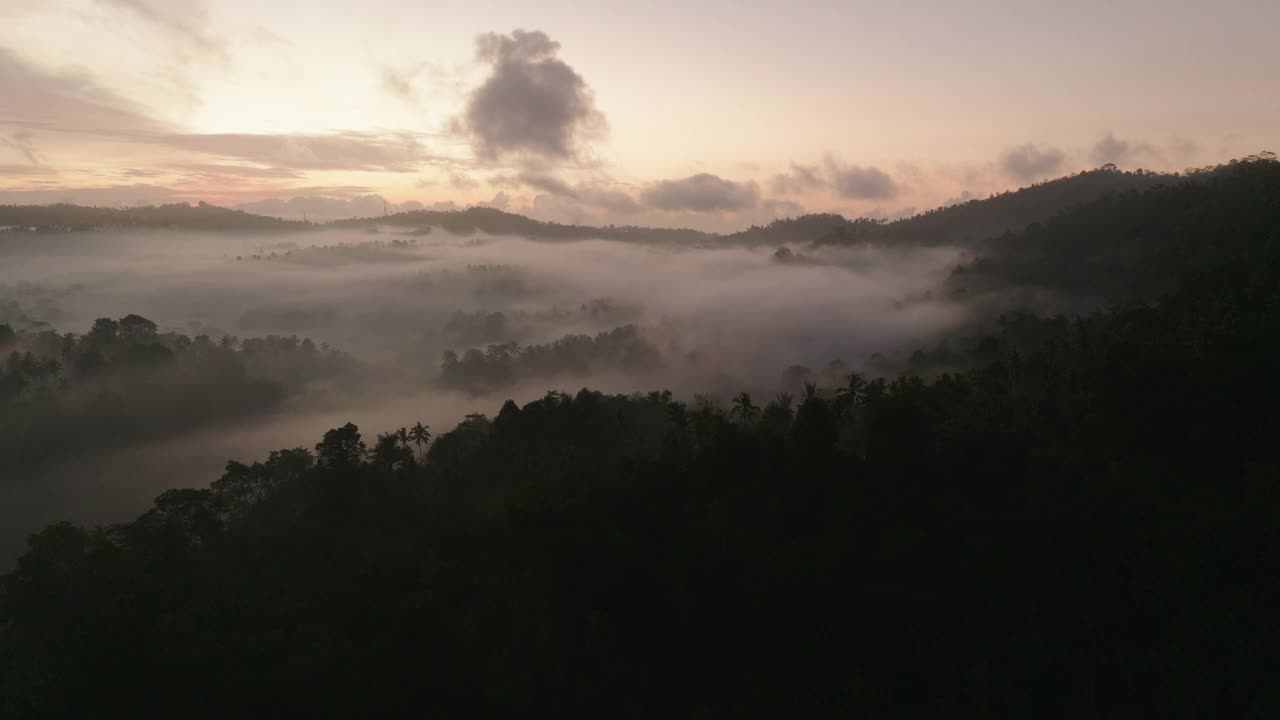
965, 223
202, 216
497, 222
1138, 243
962, 223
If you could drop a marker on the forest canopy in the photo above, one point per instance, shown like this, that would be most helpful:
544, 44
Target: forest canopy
1059, 509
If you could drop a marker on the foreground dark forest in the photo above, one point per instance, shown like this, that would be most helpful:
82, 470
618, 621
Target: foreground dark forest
1081, 523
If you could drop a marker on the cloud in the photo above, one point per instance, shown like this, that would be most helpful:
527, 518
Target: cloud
1110, 149
399, 152
601, 198
1028, 162
500, 201
462, 181
73, 102
960, 199
182, 21
68, 100
703, 192
614, 201
548, 184
849, 181
21, 145
861, 182
801, 179
532, 102
783, 208
399, 81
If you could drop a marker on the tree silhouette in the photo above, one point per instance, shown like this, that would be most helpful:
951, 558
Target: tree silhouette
744, 410
420, 435
341, 448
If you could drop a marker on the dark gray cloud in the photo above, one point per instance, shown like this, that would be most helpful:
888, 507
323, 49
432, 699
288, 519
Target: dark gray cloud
531, 103
1029, 162
614, 201
602, 198
801, 179
703, 192
1110, 149
861, 182
548, 184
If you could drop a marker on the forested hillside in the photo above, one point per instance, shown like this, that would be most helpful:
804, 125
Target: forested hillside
1083, 524
202, 216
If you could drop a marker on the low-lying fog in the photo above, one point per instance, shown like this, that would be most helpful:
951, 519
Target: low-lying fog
708, 319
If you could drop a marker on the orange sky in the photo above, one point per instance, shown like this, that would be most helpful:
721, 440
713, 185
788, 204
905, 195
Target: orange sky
718, 116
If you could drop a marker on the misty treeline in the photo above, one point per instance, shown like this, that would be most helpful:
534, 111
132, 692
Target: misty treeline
1062, 515
124, 381
498, 365
1086, 527
481, 326
335, 254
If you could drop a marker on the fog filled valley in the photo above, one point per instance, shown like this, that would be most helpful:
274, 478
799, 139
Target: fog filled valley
198, 334
503, 460
203, 346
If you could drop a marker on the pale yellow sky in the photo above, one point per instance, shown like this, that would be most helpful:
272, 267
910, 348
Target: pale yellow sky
710, 114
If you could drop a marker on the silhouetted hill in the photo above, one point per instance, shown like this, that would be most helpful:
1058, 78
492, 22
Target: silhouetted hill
1138, 243
497, 222
960, 223
966, 223
201, 216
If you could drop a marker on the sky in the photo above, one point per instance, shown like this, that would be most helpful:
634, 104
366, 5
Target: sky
715, 114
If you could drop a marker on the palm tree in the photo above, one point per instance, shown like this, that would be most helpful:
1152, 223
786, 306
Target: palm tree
744, 409
420, 435
810, 391
854, 392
